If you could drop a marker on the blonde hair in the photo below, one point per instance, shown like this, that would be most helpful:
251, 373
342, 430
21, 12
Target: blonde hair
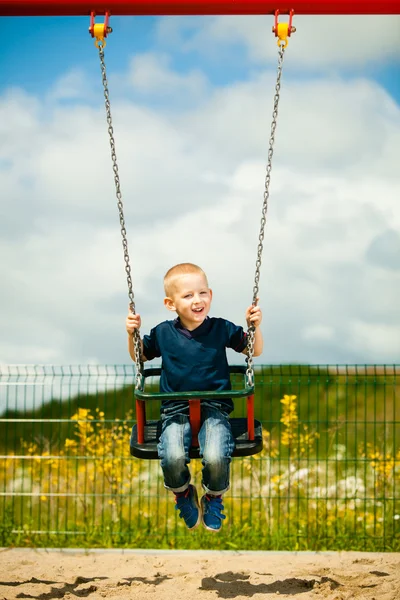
174, 273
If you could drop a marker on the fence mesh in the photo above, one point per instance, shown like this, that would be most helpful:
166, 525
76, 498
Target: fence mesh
328, 477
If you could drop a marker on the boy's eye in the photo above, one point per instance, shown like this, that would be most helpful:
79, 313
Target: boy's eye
188, 296
203, 293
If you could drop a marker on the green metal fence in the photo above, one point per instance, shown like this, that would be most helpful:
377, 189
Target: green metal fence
328, 477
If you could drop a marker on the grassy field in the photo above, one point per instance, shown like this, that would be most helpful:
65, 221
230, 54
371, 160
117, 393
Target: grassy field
328, 477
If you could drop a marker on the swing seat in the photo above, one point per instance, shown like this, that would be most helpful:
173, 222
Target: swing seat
247, 432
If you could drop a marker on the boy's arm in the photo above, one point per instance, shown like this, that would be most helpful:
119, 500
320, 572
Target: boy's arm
254, 317
132, 323
258, 342
131, 348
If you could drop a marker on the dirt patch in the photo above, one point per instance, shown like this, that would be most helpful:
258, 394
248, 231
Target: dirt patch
178, 575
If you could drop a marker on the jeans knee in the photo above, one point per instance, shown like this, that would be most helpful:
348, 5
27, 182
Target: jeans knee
173, 459
216, 458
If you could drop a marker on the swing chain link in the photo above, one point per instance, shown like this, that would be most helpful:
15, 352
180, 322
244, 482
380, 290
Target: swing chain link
251, 329
136, 334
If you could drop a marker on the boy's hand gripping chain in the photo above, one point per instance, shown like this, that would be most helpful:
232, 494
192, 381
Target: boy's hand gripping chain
282, 31
100, 31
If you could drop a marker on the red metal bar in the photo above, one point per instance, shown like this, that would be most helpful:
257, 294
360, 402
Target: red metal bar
195, 420
141, 419
250, 416
195, 7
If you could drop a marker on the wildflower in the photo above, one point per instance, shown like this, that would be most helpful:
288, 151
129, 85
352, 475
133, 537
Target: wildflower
69, 443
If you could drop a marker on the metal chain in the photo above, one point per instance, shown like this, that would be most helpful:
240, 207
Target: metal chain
251, 329
136, 335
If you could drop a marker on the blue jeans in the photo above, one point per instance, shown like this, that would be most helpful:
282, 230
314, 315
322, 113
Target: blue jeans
216, 447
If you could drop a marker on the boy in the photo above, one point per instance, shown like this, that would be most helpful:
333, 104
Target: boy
193, 352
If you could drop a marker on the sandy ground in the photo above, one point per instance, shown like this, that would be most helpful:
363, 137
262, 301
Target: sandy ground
180, 575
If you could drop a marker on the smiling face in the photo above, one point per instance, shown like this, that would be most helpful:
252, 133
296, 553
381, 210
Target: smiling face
191, 298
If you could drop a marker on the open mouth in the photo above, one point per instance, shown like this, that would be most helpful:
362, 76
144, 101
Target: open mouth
198, 310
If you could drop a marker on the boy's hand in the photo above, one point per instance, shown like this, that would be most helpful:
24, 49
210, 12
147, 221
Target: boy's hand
253, 315
132, 322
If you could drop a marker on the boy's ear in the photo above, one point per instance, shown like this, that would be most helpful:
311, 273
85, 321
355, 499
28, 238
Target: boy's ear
210, 293
169, 303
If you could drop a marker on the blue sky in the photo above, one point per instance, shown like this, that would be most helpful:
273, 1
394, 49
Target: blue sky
36, 50
192, 102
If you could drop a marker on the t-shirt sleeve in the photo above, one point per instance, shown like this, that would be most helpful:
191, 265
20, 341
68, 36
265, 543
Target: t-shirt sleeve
151, 348
236, 337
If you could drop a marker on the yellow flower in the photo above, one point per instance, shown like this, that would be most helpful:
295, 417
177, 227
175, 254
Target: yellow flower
70, 443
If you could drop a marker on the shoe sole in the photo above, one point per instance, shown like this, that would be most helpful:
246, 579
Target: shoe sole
210, 528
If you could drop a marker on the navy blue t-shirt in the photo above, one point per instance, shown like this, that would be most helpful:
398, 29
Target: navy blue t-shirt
194, 360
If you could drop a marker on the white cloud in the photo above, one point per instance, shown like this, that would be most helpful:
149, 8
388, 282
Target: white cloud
320, 42
380, 338
192, 184
323, 124
71, 86
18, 126
318, 332
150, 73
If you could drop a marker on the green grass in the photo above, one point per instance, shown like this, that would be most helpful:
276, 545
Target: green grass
330, 495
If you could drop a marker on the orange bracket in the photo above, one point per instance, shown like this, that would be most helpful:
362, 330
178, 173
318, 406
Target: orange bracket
283, 30
99, 30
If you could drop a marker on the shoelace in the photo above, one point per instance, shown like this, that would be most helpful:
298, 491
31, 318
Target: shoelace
184, 494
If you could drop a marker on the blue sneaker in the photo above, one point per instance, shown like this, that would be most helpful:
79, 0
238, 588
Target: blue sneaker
212, 508
188, 504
